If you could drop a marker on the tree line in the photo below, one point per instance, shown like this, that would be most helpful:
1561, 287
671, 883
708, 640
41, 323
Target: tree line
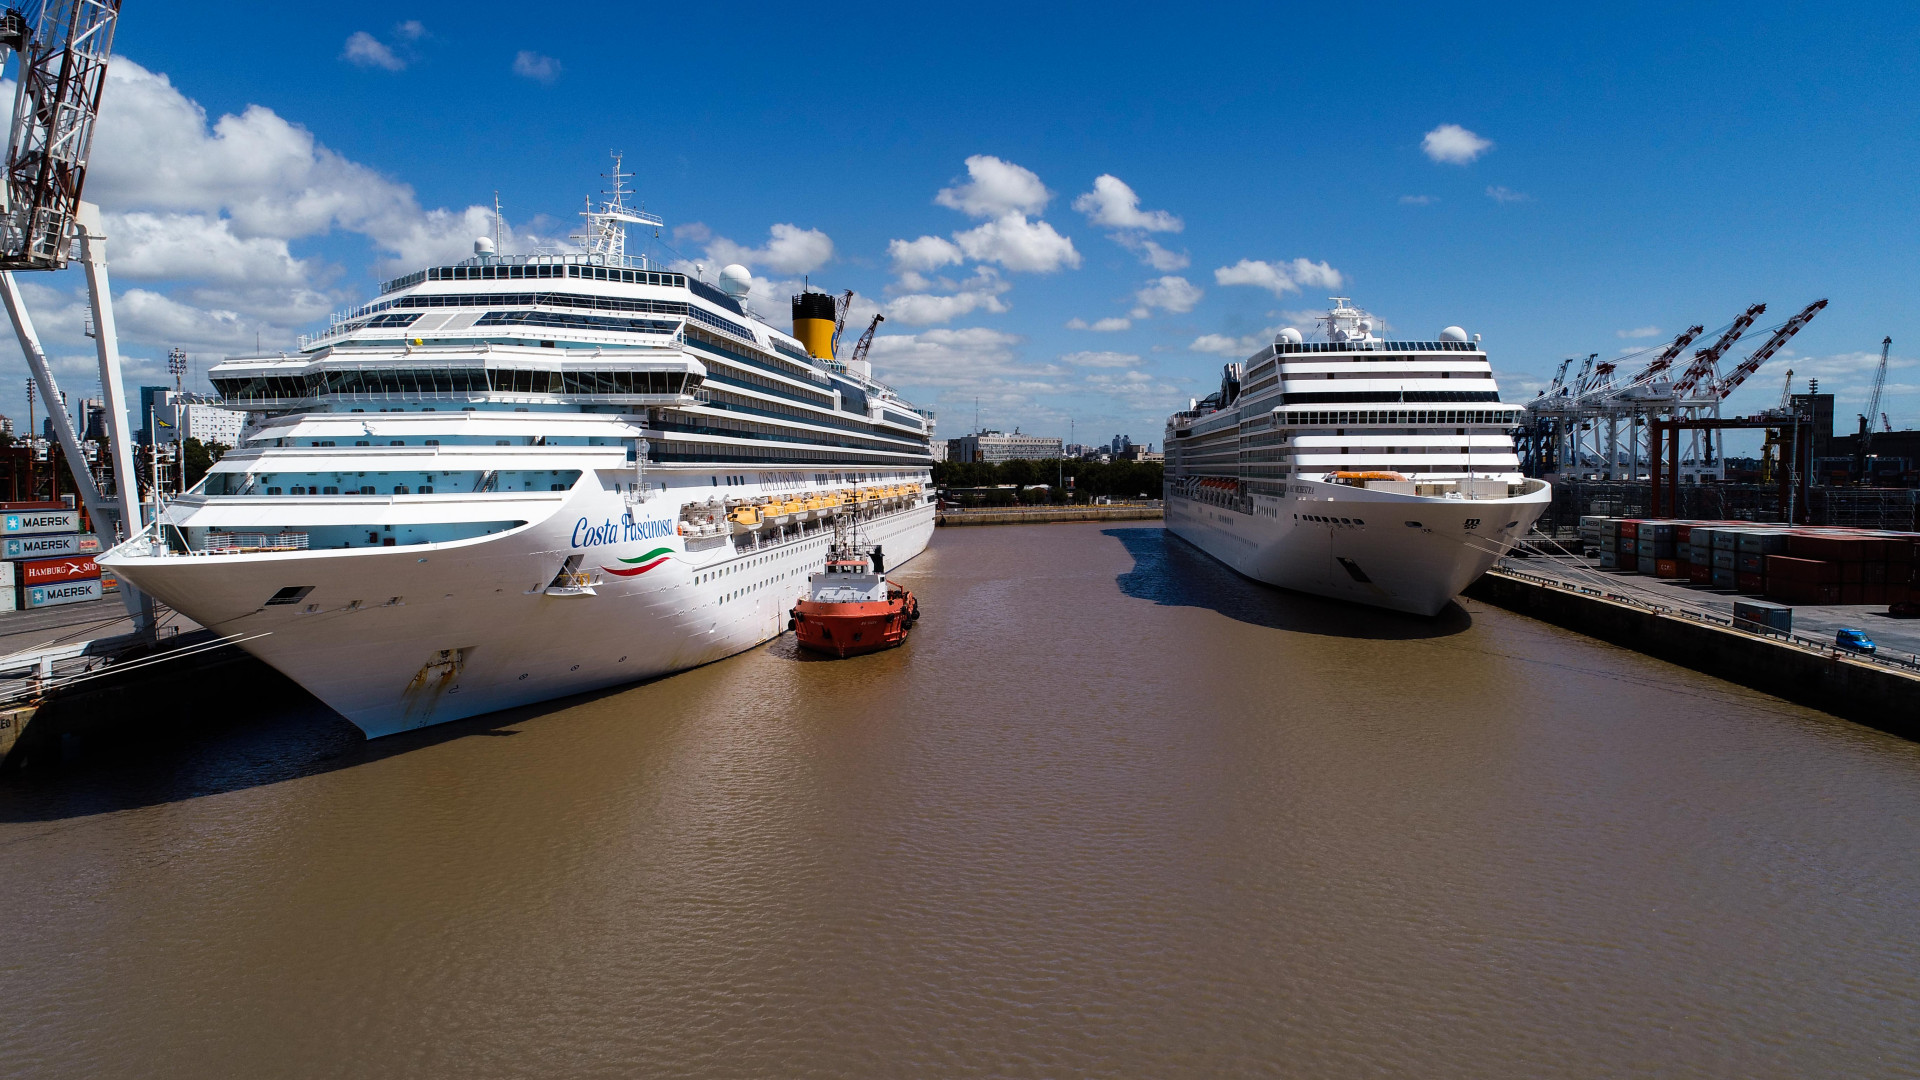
1091, 479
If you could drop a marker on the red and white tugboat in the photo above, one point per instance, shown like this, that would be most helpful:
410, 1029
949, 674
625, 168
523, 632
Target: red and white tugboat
851, 607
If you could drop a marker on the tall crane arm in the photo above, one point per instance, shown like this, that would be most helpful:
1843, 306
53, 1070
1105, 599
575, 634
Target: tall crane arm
1703, 362
866, 340
1659, 364
1760, 355
63, 69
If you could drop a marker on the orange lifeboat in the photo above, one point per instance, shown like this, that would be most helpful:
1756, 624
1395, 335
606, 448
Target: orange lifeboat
851, 607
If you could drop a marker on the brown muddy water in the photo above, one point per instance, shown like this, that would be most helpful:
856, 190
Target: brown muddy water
1112, 812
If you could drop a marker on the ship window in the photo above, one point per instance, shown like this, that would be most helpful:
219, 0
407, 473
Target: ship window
399, 489
330, 491
273, 491
366, 489
398, 442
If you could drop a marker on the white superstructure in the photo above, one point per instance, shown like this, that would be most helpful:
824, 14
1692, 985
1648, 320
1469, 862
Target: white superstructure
520, 477
1354, 467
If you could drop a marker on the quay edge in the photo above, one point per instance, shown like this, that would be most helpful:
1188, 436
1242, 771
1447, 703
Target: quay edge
1875, 695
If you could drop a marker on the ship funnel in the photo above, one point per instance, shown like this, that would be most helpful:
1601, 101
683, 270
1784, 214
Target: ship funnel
813, 319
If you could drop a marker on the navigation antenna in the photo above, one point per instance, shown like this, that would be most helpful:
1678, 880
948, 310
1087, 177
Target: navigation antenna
605, 235
498, 224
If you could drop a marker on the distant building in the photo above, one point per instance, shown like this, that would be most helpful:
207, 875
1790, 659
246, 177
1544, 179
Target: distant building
1135, 452
93, 419
148, 394
6, 426
195, 416
992, 447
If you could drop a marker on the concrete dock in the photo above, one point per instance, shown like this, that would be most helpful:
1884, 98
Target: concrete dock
1693, 626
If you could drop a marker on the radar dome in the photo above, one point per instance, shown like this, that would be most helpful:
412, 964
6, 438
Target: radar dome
1453, 333
736, 280
483, 245
1287, 336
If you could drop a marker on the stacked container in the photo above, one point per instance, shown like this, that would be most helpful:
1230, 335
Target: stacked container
43, 546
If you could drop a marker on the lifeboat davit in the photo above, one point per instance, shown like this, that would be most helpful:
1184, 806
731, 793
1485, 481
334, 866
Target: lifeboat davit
851, 607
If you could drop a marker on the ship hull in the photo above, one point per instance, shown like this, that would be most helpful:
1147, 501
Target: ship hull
401, 638
1405, 553
845, 630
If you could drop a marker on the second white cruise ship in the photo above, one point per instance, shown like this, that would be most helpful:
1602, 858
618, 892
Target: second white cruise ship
1356, 467
515, 478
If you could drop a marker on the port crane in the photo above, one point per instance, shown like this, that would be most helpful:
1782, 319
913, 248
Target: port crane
61, 48
840, 305
1702, 367
1559, 378
1659, 364
1873, 399
1721, 388
866, 340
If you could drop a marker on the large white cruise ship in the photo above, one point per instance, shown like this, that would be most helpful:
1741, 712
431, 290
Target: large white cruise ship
516, 478
1355, 467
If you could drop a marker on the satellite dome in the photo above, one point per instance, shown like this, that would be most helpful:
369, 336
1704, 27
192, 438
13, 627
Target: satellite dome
736, 281
483, 245
1287, 336
1453, 333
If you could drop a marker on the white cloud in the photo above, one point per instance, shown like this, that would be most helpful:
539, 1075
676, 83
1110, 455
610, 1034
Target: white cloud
1638, 332
1114, 205
1104, 326
1507, 195
980, 292
1018, 244
1100, 359
412, 30
789, 250
1417, 200
365, 50
1150, 253
995, 189
1170, 293
925, 254
531, 65
972, 358
150, 246
1279, 278
1451, 144
1223, 345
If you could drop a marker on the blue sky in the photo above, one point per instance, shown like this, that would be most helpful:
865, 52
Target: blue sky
1555, 182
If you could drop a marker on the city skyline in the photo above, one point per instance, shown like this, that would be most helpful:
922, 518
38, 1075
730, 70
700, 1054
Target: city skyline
1057, 235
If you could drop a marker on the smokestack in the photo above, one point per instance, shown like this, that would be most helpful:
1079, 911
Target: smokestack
813, 318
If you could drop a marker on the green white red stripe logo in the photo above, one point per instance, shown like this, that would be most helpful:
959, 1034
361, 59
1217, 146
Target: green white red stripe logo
642, 564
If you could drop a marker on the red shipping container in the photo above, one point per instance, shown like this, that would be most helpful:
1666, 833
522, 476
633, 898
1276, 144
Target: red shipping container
1668, 568
1852, 593
1853, 573
1630, 529
1683, 534
1809, 570
1875, 573
1752, 583
1700, 573
1875, 593
1792, 592
1805, 544
50, 571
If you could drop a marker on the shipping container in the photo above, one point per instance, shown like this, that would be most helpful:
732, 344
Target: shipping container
1759, 615
1753, 583
1700, 573
1609, 560
1630, 529
1763, 543
1725, 560
1723, 579
1812, 571
65, 592
1648, 565
1668, 568
37, 522
49, 571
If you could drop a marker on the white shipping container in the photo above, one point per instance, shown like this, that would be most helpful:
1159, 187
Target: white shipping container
65, 592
